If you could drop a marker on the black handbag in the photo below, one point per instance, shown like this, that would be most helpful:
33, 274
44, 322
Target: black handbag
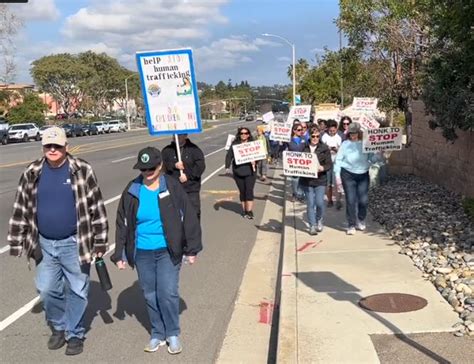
103, 274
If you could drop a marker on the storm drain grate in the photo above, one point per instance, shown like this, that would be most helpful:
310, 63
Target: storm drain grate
393, 302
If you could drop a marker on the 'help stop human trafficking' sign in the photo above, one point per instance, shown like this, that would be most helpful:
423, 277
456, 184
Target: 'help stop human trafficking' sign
300, 112
300, 164
376, 140
365, 103
249, 152
281, 132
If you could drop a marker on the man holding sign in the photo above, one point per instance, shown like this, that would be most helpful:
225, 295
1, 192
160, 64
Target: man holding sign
242, 155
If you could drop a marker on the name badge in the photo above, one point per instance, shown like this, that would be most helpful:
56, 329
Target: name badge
164, 194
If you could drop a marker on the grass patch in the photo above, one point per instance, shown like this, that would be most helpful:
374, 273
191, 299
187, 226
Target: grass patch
468, 204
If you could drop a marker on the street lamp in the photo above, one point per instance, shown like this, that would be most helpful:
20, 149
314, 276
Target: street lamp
127, 114
294, 68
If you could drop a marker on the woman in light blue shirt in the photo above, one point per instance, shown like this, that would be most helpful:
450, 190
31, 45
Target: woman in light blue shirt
352, 173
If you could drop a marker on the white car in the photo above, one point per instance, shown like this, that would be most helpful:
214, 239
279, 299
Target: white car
24, 132
43, 128
102, 126
116, 126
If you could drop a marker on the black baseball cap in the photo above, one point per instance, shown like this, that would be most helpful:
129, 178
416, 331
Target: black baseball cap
148, 158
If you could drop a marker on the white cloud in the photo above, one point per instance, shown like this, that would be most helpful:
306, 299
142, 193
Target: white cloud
37, 10
284, 59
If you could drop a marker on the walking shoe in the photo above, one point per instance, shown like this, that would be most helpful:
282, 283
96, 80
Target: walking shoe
319, 226
154, 345
330, 204
351, 231
56, 340
313, 230
338, 205
174, 345
263, 178
250, 215
243, 214
74, 346
361, 225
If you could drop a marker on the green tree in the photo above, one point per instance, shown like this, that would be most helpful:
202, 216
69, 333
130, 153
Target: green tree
449, 74
62, 76
30, 110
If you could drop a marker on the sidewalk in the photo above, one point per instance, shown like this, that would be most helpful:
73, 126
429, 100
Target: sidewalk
323, 279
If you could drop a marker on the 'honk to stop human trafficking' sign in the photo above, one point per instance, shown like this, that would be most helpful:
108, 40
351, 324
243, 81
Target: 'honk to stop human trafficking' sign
300, 112
281, 132
249, 152
383, 139
300, 164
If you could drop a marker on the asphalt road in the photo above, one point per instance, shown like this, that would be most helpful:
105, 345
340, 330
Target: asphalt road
117, 319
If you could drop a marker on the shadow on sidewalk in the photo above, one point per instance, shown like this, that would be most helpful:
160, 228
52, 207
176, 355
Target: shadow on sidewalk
326, 282
131, 302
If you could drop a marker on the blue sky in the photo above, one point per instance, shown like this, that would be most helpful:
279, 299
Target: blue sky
226, 35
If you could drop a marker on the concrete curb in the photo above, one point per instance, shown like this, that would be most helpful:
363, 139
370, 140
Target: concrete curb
287, 350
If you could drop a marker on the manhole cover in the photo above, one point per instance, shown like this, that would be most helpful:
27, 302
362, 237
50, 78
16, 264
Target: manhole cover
393, 302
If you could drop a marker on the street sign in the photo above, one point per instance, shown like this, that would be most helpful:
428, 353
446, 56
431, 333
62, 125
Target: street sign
169, 90
298, 99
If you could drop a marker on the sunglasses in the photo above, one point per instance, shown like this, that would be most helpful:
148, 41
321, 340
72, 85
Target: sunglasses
315, 136
147, 169
244, 133
345, 123
297, 129
51, 146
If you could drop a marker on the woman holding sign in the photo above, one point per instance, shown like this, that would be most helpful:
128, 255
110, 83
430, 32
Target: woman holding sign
352, 173
315, 188
244, 174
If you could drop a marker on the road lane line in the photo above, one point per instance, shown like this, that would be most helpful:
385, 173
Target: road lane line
123, 159
4, 249
26, 308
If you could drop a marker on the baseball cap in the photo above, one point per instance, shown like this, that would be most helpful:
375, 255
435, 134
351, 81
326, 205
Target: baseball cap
54, 135
354, 127
148, 158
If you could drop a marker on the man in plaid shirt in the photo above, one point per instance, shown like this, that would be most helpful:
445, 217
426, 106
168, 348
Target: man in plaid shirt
59, 220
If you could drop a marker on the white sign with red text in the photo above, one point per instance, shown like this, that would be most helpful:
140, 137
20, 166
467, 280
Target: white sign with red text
367, 122
300, 112
365, 103
300, 164
281, 132
383, 139
249, 152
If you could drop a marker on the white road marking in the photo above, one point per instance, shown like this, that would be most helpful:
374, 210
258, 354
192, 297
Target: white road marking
124, 159
26, 308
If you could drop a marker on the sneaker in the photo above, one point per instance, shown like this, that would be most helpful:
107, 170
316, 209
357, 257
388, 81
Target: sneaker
263, 178
243, 214
338, 205
319, 226
174, 345
56, 340
74, 346
154, 345
361, 226
351, 231
313, 230
330, 204
250, 215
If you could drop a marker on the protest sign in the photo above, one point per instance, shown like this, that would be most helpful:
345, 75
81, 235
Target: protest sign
376, 140
281, 132
300, 112
300, 164
367, 122
249, 152
267, 117
169, 90
228, 143
365, 103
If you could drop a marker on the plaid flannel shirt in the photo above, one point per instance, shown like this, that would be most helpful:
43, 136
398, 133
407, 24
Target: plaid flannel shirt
92, 225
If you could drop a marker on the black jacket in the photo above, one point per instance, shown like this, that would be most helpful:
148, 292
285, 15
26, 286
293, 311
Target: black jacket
241, 170
193, 160
180, 222
324, 158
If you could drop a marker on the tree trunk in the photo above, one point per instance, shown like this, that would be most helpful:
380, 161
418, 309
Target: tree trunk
405, 104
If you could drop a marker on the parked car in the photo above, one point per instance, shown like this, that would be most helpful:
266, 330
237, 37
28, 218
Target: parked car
24, 132
73, 130
249, 118
101, 126
116, 126
43, 128
90, 129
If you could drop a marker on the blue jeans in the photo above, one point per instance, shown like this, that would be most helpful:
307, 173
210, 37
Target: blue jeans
356, 189
159, 279
296, 188
315, 203
63, 285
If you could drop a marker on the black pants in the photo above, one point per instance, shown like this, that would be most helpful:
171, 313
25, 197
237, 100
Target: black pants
245, 185
195, 200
